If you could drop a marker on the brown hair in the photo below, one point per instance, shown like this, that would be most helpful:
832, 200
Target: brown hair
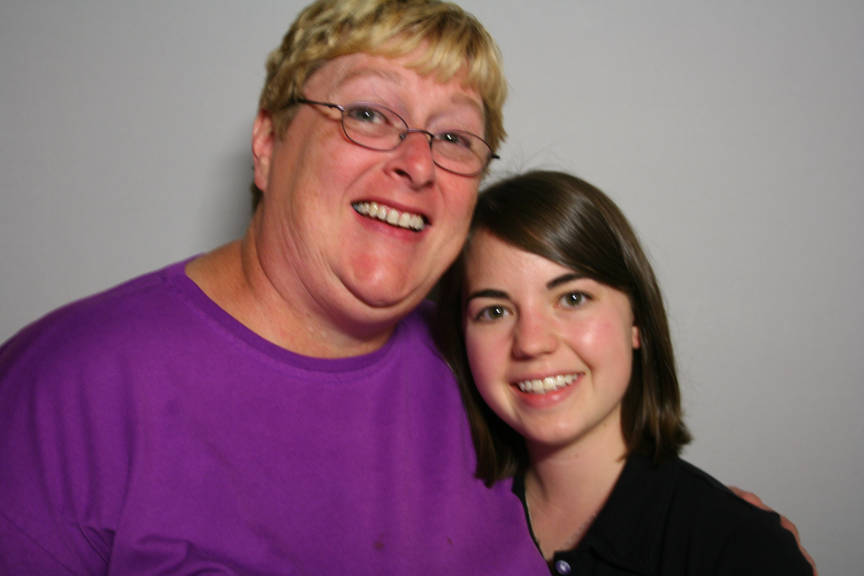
455, 43
568, 221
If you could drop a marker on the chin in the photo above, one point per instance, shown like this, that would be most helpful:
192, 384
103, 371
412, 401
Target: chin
390, 295
377, 307
551, 437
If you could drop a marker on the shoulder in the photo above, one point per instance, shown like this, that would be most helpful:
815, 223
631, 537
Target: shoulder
92, 316
89, 335
699, 491
739, 537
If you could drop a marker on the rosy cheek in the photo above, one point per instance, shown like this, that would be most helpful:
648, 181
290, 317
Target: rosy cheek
592, 333
599, 338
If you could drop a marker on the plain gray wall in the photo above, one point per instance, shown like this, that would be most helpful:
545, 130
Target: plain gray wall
731, 133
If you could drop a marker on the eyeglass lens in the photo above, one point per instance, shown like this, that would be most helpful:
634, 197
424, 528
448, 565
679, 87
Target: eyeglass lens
379, 128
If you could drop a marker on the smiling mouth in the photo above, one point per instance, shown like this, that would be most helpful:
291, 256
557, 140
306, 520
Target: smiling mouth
547, 384
390, 216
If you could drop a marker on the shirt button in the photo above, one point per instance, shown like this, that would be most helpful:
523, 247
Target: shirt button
563, 567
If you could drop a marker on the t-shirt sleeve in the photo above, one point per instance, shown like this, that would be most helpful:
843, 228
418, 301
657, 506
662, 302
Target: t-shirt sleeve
48, 524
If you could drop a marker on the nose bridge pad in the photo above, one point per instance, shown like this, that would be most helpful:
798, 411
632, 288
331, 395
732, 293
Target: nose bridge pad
420, 164
429, 135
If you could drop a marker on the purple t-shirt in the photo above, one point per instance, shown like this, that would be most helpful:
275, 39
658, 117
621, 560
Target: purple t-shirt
145, 431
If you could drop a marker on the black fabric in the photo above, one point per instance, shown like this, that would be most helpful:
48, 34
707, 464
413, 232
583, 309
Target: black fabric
674, 519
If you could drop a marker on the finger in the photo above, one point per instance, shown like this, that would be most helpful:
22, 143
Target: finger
749, 497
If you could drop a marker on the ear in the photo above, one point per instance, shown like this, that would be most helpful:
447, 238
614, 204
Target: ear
262, 148
635, 339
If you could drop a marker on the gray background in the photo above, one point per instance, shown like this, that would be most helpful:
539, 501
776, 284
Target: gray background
730, 132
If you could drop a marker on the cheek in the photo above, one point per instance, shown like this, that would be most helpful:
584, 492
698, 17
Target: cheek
483, 359
604, 341
460, 197
487, 375
451, 238
316, 154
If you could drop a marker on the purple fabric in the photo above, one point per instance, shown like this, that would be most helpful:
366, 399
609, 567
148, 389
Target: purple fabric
144, 431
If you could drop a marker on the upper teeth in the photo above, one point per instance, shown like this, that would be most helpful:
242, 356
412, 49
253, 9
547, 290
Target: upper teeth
547, 384
390, 215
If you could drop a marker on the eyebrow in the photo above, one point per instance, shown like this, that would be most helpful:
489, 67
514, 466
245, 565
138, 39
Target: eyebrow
563, 279
464, 99
369, 71
397, 79
488, 293
502, 295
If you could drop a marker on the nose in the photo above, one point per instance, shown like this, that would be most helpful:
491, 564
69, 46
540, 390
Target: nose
533, 336
413, 158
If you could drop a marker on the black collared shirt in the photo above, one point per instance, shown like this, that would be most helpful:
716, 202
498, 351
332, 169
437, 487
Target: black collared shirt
674, 519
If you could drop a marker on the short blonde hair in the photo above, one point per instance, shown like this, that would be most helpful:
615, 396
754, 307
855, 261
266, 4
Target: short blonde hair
456, 44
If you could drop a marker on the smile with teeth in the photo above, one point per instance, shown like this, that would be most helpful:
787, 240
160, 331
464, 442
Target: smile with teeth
547, 384
390, 215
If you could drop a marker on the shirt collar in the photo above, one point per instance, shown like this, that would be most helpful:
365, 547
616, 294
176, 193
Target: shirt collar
628, 529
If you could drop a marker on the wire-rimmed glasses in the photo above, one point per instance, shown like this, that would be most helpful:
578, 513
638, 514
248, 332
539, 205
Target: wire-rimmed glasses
377, 127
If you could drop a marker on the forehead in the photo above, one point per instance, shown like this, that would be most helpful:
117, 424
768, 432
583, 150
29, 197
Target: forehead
491, 261
365, 73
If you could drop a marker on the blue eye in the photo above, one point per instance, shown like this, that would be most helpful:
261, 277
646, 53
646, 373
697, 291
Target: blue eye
491, 313
455, 138
366, 114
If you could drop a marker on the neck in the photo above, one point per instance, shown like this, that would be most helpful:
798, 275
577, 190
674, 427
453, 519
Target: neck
565, 488
275, 305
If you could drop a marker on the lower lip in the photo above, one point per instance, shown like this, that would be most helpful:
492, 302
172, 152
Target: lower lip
549, 398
